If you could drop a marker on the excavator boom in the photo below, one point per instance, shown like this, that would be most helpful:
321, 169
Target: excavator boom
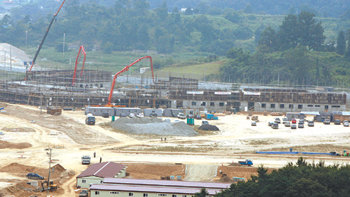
81, 50
126, 68
45, 35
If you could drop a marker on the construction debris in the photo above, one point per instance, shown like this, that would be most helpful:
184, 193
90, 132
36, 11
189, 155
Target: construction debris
54, 110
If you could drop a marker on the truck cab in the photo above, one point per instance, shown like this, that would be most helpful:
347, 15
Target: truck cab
90, 120
247, 162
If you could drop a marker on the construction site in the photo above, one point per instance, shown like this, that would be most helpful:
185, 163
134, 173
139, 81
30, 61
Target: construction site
173, 128
48, 110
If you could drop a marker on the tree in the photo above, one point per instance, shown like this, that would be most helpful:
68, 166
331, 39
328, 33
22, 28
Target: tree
202, 193
310, 31
341, 43
347, 54
301, 30
288, 33
162, 12
268, 40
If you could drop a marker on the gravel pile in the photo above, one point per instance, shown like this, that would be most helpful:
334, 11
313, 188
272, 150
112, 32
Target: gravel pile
208, 127
153, 126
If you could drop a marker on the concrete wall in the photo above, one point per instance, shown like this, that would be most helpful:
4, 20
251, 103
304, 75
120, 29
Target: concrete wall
85, 182
284, 107
99, 111
149, 111
217, 106
95, 193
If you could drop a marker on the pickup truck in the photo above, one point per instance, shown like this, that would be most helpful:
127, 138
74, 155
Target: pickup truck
247, 162
85, 160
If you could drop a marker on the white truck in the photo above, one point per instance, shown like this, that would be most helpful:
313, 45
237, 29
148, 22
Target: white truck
85, 160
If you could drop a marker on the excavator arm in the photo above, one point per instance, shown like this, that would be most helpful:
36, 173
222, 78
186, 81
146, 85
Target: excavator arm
126, 68
81, 51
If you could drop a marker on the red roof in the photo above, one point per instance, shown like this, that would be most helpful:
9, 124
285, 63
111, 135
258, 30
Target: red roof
103, 170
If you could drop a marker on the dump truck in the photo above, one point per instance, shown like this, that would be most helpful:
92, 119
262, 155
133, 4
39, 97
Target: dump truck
247, 162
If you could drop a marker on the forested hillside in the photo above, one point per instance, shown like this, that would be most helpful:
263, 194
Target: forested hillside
322, 8
130, 25
295, 49
295, 180
294, 54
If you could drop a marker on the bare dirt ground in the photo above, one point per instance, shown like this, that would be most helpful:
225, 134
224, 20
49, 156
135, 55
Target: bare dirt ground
70, 138
154, 171
4, 144
200, 172
236, 171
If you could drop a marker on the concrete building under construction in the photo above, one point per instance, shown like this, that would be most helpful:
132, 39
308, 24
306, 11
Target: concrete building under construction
55, 88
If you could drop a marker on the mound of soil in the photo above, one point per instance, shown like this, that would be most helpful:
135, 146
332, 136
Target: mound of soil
208, 127
23, 170
15, 168
4, 144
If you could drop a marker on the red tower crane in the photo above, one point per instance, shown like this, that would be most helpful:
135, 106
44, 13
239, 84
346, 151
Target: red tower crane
81, 51
126, 68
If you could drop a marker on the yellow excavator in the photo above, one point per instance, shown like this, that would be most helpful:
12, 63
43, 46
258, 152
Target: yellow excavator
46, 186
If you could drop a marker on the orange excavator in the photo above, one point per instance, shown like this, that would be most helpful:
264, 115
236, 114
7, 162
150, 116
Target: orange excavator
126, 68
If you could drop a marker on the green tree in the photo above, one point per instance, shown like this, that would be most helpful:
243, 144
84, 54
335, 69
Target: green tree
268, 40
162, 12
347, 54
310, 31
301, 30
341, 43
288, 33
303, 186
202, 193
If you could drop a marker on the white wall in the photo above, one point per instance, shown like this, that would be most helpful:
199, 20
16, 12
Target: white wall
207, 106
88, 181
135, 194
258, 106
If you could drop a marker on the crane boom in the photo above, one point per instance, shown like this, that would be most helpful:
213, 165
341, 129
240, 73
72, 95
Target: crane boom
45, 35
81, 50
126, 68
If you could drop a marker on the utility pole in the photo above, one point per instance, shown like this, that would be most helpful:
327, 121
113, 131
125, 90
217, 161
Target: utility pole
10, 59
64, 42
26, 39
50, 161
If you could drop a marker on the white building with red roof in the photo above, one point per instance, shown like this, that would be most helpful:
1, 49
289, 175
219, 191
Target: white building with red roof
95, 173
153, 188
